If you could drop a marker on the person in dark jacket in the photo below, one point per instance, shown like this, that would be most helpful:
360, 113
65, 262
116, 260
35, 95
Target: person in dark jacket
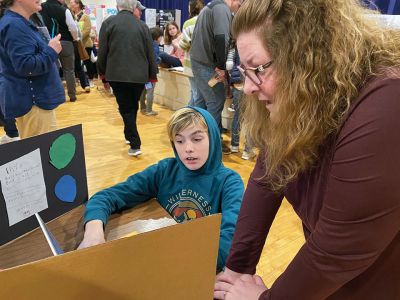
147, 97
30, 88
126, 60
208, 54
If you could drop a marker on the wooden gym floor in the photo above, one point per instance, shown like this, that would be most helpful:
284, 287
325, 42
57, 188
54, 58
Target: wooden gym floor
108, 163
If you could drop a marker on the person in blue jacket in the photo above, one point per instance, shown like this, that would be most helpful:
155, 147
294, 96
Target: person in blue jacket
191, 185
30, 87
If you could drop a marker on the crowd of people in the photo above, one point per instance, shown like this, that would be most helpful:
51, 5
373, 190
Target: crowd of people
314, 86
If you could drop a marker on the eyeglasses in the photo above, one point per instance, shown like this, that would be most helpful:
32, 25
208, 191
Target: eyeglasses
254, 73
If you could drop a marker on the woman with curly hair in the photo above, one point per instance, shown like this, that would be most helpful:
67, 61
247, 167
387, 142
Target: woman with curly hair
323, 86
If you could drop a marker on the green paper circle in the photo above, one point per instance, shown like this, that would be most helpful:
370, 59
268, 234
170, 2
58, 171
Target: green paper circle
62, 150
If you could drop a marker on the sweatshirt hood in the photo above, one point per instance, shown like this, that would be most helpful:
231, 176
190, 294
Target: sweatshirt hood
214, 160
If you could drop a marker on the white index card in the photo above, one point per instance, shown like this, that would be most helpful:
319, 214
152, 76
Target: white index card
23, 187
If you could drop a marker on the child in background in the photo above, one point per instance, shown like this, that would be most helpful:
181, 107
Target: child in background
191, 185
146, 107
195, 6
172, 38
235, 79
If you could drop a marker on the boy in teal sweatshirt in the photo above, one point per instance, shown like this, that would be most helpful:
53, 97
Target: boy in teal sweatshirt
191, 185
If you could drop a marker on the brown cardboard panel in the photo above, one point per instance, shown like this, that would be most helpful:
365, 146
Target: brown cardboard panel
176, 262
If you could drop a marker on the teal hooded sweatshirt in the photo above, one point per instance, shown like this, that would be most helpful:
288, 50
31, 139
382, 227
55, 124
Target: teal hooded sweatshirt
211, 189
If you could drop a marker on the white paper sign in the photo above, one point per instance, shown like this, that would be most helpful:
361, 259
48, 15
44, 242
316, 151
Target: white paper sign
22, 184
150, 17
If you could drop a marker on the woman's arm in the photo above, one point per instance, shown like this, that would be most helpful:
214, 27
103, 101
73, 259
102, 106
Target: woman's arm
27, 56
257, 212
87, 25
360, 216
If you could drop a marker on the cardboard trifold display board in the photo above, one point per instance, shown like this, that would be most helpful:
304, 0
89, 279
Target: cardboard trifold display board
176, 262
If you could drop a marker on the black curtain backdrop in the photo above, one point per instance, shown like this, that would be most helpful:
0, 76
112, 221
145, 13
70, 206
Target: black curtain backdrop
390, 7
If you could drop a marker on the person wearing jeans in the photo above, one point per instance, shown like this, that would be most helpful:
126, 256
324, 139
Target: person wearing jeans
248, 152
147, 98
208, 54
214, 97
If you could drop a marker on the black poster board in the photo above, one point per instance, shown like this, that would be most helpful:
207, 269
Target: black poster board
75, 169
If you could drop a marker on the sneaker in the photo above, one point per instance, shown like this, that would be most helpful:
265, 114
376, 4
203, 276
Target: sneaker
248, 155
134, 152
91, 84
225, 149
6, 139
127, 142
151, 113
72, 99
234, 149
87, 89
143, 111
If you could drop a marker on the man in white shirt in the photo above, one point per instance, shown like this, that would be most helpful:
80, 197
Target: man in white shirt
59, 20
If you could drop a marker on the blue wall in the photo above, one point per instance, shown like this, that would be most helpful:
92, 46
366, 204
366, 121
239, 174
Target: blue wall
390, 7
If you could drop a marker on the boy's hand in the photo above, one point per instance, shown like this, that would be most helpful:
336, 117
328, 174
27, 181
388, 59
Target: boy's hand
94, 234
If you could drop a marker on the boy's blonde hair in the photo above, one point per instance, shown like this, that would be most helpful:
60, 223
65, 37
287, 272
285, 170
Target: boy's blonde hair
184, 118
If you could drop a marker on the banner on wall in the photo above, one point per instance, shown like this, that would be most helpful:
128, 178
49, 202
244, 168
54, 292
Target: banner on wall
98, 13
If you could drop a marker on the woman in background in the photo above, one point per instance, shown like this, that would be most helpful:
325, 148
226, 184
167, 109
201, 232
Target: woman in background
30, 87
85, 25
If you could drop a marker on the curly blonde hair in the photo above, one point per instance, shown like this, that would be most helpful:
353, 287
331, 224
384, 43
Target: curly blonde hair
324, 52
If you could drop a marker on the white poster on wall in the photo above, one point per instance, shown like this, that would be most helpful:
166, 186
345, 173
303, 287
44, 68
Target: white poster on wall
151, 17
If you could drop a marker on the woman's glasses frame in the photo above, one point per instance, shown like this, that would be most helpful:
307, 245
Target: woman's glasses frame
254, 73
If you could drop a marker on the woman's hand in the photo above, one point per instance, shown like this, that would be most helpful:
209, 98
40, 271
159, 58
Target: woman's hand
231, 285
224, 281
55, 43
94, 234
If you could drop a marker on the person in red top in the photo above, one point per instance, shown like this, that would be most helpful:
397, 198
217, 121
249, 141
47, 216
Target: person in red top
323, 80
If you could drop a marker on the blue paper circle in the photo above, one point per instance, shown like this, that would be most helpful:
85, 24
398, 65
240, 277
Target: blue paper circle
66, 188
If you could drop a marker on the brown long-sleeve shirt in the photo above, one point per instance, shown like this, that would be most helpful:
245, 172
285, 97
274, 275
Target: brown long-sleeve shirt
349, 205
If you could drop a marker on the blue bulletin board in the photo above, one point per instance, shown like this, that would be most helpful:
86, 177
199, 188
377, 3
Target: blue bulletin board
45, 174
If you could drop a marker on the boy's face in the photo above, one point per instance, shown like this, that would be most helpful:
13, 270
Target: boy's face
192, 145
158, 41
